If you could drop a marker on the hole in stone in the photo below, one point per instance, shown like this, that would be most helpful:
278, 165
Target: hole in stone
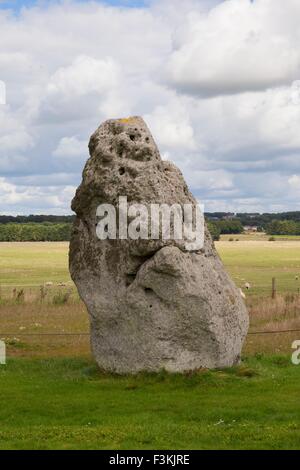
150, 306
122, 170
147, 139
129, 279
148, 290
132, 137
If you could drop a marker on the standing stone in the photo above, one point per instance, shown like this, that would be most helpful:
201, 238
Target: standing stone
152, 304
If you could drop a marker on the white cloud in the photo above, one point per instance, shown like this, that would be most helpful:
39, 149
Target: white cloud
214, 81
212, 180
2, 92
86, 87
293, 188
71, 147
294, 182
14, 136
238, 46
171, 126
51, 198
85, 75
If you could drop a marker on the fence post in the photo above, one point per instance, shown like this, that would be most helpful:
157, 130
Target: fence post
273, 287
2, 353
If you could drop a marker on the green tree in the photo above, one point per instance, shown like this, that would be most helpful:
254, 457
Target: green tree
214, 230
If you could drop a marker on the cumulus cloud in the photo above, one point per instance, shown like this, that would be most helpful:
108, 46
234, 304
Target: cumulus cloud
171, 126
13, 132
2, 92
71, 147
17, 198
85, 75
217, 82
238, 46
294, 181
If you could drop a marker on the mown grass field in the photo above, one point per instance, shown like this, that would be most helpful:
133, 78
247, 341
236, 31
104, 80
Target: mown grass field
27, 266
258, 236
32, 264
256, 261
69, 404
54, 397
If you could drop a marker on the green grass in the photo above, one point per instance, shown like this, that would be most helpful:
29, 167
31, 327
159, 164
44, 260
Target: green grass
254, 261
257, 262
32, 264
258, 236
69, 404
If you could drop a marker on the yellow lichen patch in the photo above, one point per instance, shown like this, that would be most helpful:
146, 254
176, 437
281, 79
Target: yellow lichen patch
127, 120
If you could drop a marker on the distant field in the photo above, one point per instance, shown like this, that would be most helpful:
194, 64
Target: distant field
27, 266
33, 264
257, 262
258, 237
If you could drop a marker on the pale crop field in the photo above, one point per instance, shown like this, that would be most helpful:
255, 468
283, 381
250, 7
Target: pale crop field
33, 264
28, 266
257, 262
259, 236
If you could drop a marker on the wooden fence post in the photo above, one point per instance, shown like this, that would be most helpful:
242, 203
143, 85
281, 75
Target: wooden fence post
273, 287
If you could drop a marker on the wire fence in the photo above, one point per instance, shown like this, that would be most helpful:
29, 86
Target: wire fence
88, 334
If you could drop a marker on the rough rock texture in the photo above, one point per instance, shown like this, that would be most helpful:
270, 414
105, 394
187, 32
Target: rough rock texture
152, 304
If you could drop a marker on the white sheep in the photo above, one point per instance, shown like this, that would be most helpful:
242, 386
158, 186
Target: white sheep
48, 284
242, 294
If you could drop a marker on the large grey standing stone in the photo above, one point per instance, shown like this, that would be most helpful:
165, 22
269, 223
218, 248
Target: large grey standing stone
152, 304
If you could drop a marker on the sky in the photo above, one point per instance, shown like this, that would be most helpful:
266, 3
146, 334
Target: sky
218, 83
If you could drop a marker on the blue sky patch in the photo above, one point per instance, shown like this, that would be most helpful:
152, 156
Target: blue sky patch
17, 5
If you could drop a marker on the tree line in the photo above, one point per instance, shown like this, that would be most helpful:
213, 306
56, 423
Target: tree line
34, 232
235, 226
261, 221
50, 232
283, 227
38, 219
227, 226
58, 228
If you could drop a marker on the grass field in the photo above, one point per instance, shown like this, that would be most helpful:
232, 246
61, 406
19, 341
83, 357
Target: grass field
53, 395
32, 264
256, 261
69, 404
258, 236
27, 266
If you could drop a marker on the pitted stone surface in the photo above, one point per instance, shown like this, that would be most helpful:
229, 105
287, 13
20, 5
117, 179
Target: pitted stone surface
152, 304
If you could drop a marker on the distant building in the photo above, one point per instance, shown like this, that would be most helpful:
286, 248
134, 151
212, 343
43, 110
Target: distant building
229, 217
250, 228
